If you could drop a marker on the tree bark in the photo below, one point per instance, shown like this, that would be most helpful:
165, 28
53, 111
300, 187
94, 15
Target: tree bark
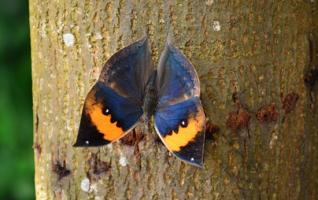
252, 58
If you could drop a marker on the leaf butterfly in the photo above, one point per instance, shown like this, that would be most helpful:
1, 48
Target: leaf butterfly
129, 87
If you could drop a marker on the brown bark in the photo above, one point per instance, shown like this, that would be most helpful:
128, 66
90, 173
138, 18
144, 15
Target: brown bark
249, 55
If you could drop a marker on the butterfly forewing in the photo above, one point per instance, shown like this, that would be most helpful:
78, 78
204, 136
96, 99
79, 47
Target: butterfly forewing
127, 71
114, 104
177, 79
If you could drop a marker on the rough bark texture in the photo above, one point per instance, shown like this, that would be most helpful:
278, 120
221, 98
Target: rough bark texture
249, 55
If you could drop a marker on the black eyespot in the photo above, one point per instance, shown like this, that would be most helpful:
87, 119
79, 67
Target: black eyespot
184, 123
106, 111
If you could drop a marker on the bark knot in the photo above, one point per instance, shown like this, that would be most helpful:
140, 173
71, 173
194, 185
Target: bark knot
238, 119
289, 102
267, 113
210, 130
61, 170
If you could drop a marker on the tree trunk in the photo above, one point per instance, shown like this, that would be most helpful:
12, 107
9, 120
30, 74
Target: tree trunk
256, 62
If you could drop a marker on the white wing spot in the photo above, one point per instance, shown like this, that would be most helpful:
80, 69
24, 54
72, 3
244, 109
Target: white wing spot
192, 159
86, 142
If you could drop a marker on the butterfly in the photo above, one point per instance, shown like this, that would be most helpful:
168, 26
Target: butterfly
130, 87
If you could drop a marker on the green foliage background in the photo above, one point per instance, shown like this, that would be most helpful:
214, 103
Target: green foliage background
16, 154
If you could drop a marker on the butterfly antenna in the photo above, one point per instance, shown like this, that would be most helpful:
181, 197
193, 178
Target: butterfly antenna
170, 37
145, 34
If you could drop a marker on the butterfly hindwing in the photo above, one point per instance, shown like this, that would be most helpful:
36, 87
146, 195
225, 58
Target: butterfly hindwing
114, 104
106, 117
179, 117
181, 128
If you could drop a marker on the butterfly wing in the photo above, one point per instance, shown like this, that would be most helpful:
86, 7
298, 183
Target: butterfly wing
114, 104
177, 79
128, 71
179, 117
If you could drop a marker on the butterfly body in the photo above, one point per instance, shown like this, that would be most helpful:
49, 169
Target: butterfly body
130, 87
150, 98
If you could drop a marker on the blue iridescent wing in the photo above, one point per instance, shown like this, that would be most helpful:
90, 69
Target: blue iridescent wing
114, 104
128, 71
177, 79
179, 117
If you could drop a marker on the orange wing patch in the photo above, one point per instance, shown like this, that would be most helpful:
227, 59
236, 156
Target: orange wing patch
102, 122
176, 141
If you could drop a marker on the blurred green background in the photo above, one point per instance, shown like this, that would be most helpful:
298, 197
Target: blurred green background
16, 154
